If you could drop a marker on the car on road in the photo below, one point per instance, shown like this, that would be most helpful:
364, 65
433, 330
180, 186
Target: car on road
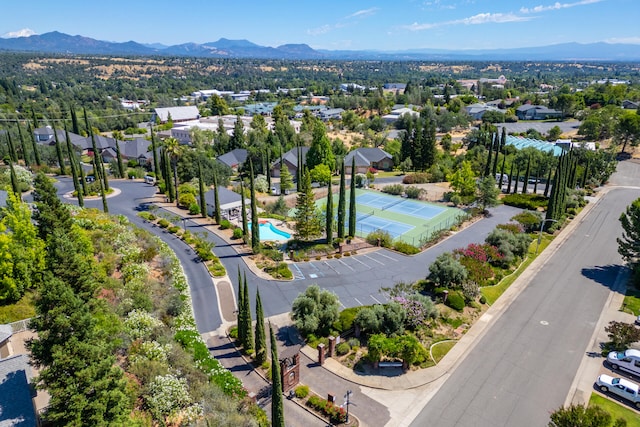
620, 387
628, 360
637, 321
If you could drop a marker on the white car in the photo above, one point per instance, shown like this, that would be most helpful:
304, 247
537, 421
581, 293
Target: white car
628, 360
620, 387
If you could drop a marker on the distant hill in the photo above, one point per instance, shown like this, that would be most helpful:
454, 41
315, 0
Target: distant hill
56, 42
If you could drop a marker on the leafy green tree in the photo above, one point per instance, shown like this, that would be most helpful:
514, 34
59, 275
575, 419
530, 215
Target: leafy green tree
277, 401
352, 199
488, 193
321, 174
237, 137
341, 203
308, 222
447, 271
627, 129
320, 151
622, 335
50, 213
580, 415
286, 180
315, 310
629, 243
462, 180
260, 335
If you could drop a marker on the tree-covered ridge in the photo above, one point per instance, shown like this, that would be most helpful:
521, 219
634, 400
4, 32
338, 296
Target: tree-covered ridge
116, 339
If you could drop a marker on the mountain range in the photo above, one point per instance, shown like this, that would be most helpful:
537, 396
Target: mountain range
60, 43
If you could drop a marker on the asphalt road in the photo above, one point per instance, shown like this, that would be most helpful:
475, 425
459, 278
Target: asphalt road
523, 367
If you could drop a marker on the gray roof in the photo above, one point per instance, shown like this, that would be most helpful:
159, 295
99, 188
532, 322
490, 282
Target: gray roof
177, 113
234, 157
291, 156
135, 148
366, 156
5, 333
527, 107
228, 199
16, 395
3, 198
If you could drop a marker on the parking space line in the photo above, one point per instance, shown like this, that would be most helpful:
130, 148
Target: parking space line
318, 271
358, 259
298, 276
358, 301
346, 265
329, 265
374, 298
386, 256
374, 260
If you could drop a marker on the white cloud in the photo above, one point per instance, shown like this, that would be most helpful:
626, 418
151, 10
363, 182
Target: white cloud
25, 32
363, 12
625, 40
480, 18
557, 6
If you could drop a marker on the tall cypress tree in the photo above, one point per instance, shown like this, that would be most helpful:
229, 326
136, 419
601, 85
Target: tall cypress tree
526, 176
299, 170
517, 181
548, 183
487, 165
352, 199
538, 173
267, 169
121, 170
14, 181
12, 148
329, 216
166, 172
245, 224
248, 339
277, 401
502, 169
75, 127
74, 168
242, 334
201, 190
156, 167
496, 137
510, 178
255, 224
34, 145
260, 334
63, 169
25, 153
342, 203
216, 200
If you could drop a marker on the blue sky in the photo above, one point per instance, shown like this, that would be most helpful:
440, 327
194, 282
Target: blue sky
330, 24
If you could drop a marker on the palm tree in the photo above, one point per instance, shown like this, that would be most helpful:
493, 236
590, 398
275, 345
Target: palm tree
174, 151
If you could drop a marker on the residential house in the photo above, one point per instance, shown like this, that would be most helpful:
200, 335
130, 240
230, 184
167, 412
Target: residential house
44, 135
331, 113
176, 114
630, 105
5, 342
367, 158
17, 393
477, 110
395, 115
537, 112
234, 158
290, 159
230, 203
138, 149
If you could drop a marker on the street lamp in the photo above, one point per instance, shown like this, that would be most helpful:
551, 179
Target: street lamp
347, 396
540, 235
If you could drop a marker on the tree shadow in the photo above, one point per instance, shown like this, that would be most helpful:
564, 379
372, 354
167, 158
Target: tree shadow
605, 275
289, 336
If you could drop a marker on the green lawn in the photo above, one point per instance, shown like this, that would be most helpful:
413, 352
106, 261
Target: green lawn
440, 349
21, 310
616, 410
385, 174
631, 303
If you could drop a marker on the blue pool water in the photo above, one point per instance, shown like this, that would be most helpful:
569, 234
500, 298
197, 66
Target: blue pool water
268, 231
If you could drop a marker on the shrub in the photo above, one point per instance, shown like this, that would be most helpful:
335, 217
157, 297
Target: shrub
194, 209
163, 223
395, 189
279, 271
405, 248
345, 319
413, 192
302, 391
483, 299
187, 199
529, 220
272, 254
225, 224
237, 233
233, 332
526, 201
343, 348
455, 300
381, 237
416, 178
173, 229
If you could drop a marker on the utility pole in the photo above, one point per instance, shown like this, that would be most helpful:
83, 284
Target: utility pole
347, 396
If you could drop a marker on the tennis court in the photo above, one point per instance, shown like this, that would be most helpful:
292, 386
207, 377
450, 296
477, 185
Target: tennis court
409, 220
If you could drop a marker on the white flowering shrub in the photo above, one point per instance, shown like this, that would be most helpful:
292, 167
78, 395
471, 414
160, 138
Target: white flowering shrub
131, 272
166, 395
150, 350
25, 177
139, 324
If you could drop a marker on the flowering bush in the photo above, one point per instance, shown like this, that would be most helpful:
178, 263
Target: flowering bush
166, 395
418, 309
336, 414
150, 350
139, 324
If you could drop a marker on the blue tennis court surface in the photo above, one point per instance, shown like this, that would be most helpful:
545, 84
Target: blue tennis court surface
366, 223
400, 205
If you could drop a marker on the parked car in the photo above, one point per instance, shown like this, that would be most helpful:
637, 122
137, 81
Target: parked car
628, 360
637, 322
620, 387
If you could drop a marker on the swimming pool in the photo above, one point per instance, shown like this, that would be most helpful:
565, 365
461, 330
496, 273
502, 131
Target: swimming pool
268, 231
